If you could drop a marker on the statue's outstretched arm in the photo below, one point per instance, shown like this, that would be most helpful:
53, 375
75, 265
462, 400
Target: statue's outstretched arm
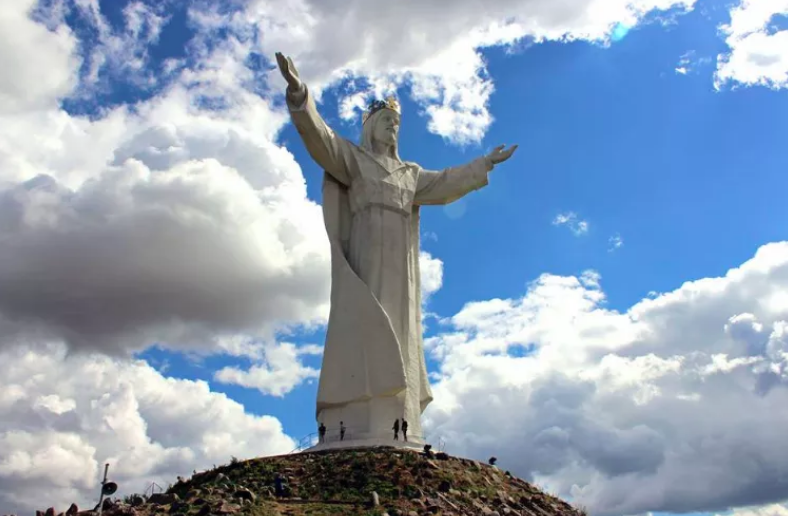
452, 183
330, 151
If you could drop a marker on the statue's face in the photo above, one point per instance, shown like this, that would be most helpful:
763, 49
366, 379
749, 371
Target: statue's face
386, 127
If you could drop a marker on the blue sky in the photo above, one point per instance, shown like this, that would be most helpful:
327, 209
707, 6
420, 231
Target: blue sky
689, 177
595, 311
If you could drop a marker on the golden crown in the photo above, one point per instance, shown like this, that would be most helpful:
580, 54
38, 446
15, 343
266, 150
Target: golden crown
376, 105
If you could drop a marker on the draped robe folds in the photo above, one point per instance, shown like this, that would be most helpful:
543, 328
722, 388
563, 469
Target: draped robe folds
374, 368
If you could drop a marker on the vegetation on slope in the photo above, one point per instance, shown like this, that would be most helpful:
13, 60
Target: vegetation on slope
372, 481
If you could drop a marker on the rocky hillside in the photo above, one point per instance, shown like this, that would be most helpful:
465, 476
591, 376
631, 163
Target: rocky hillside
374, 481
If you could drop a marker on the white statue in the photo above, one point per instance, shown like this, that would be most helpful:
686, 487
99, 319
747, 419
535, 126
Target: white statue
373, 363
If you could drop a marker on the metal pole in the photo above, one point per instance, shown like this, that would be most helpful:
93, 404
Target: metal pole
101, 498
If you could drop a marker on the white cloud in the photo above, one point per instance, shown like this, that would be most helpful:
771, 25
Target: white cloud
278, 372
434, 50
571, 220
39, 65
177, 222
758, 53
63, 416
431, 281
119, 52
431, 274
615, 242
175, 255
626, 412
174, 223
774, 509
590, 279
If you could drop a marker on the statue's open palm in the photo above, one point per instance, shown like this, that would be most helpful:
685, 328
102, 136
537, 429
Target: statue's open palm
499, 155
288, 71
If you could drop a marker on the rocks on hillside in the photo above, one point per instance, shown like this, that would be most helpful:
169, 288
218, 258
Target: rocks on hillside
379, 481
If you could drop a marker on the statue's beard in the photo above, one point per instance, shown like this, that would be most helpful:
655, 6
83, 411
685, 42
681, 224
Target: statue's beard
390, 140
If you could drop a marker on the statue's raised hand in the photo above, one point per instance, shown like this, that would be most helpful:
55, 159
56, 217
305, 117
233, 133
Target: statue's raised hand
289, 72
499, 155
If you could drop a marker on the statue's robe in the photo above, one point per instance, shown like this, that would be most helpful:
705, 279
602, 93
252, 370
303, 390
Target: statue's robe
374, 368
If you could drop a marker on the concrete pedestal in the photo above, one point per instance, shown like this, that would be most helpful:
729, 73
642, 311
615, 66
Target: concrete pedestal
366, 443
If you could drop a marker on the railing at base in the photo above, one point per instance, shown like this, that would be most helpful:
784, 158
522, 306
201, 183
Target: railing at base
306, 442
335, 436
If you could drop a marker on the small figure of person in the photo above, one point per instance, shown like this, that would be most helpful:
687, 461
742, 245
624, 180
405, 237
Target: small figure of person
404, 430
322, 432
341, 430
396, 429
279, 485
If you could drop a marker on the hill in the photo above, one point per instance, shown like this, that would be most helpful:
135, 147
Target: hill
371, 481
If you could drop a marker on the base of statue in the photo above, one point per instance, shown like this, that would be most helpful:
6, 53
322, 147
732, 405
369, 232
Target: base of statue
372, 420
413, 444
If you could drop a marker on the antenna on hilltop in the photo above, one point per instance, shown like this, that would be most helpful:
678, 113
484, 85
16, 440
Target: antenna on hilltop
152, 487
107, 488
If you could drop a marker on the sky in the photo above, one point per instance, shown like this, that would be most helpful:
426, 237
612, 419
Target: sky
608, 317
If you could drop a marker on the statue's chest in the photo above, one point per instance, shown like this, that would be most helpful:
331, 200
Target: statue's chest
387, 185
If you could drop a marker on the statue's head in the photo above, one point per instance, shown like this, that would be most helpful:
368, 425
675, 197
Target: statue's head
381, 124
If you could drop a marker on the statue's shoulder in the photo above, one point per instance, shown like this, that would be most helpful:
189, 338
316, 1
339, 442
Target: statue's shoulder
354, 147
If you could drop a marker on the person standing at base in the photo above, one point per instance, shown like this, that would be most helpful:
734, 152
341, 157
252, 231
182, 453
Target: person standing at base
322, 432
341, 430
396, 429
404, 430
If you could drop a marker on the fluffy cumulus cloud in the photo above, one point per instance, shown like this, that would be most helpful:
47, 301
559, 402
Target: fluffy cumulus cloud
758, 50
180, 219
39, 65
433, 50
431, 274
134, 255
62, 417
175, 221
676, 404
124, 51
277, 369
